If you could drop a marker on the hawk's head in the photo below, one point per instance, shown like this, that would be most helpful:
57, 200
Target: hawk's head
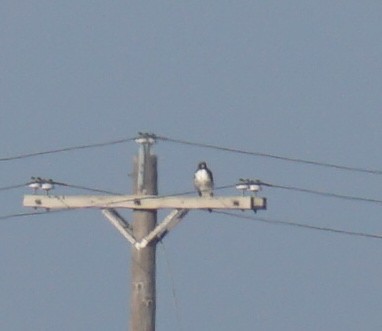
202, 165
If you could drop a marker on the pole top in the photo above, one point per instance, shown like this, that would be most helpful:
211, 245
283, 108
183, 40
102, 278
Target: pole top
145, 138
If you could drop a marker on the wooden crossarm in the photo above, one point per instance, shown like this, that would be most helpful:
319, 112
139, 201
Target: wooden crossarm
144, 202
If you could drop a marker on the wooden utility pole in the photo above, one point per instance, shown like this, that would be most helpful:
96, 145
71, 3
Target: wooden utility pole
144, 232
143, 303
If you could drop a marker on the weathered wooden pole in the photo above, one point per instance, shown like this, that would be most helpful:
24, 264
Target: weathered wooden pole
143, 298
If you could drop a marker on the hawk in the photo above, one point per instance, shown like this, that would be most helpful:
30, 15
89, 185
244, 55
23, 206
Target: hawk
203, 180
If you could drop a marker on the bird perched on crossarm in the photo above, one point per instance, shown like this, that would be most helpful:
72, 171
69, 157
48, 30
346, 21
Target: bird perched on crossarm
204, 180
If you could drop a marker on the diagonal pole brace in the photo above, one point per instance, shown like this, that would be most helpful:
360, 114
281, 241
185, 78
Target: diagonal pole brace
163, 228
120, 224
159, 231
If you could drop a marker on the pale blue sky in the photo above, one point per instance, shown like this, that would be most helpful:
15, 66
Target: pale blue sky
293, 78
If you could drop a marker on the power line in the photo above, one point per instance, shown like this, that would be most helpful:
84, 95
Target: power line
85, 188
259, 219
323, 193
300, 225
266, 184
223, 187
272, 156
35, 213
66, 149
79, 187
197, 144
173, 289
90, 189
162, 196
66, 208
12, 187
172, 195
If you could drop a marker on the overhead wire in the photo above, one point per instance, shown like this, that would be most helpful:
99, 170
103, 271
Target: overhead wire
271, 156
215, 147
222, 187
67, 149
259, 219
250, 218
129, 199
202, 145
169, 195
300, 225
12, 187
79, 187
66, 207
322, 193
85, 188
34, 213
173, 288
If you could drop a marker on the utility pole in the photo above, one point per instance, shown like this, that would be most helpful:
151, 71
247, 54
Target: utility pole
143, 303
144, 232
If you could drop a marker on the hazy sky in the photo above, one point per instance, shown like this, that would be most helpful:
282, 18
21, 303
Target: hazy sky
298, 79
